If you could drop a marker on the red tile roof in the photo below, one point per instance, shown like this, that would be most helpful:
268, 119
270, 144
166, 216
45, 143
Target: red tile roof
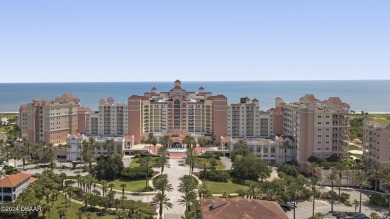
14, 179
236, 208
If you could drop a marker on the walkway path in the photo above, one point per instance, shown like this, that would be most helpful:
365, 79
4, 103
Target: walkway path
175, 173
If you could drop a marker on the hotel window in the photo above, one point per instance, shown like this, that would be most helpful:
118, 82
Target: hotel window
327, 123
319, 136
319, 130
319, 117
319, 123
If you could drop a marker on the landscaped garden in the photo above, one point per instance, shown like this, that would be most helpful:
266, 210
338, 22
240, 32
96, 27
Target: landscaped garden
222, 187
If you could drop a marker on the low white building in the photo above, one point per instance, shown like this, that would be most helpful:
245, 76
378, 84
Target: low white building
4, 121
270, 150
12, 185
106, 146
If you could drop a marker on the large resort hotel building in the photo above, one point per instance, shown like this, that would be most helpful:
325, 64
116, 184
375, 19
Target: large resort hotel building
177, 112
311, 126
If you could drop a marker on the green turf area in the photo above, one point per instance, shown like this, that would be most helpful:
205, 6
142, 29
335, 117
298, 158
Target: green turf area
357, 155
353, 147
381, 119
221, 187
199, 163
72, 210
131, 186
135, 162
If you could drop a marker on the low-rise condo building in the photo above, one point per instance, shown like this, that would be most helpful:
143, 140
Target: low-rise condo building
278, 150
376, 142
13, 185
103, 146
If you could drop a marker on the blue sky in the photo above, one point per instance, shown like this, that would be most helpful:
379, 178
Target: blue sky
202, 40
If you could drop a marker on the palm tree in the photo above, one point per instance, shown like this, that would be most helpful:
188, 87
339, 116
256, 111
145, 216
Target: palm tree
163, 185
204, 192
356, 204
153, 141
294, 190
45, 208
61, 212
109, 144
332, 179
163, 162
352, 165
188, 199
68, 194
285, 145
375, 173
190, 158
111, 185
362, 182
146, 163
187, 140
104, 186
374, 215
123, 186
187, 184
313, 167
52, 158
339, 168
314, 190
166, 141
26, 145
161, 201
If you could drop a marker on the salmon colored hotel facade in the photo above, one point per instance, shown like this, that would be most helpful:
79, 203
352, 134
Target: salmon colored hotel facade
177, 111
315, 127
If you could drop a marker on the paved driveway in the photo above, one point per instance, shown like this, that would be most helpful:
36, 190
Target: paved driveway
174, 174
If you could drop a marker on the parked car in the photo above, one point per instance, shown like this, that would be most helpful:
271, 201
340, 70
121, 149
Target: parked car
284, 209
287, 207
292, 204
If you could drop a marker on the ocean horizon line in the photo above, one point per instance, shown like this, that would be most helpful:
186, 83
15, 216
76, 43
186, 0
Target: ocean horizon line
170, 81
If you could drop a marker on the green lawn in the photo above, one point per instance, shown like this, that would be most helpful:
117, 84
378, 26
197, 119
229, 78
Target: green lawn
381, 119
131, 186
135, 162
221, 187
353, 147
357, 155
199, 162
72, 210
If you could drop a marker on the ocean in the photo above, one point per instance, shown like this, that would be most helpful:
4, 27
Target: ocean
368, 96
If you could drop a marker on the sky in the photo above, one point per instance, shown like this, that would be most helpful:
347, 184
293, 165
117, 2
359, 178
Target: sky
193, 40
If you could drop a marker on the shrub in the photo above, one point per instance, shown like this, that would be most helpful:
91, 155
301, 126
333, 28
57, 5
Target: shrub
312, 159
135, 173
343, 197
333, 158
10, 170
215, 175
289, 169
377, 200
